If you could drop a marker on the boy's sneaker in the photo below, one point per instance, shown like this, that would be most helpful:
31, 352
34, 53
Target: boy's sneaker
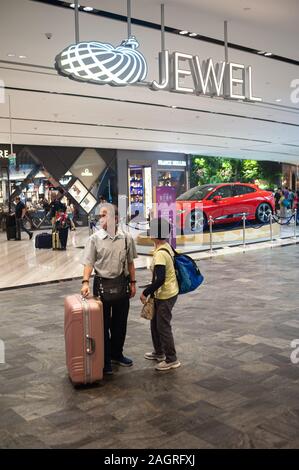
167, 365
152, 356
123, 361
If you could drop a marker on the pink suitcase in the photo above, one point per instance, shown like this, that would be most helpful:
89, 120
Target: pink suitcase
84, 339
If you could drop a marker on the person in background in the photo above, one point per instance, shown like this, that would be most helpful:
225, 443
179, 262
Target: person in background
102, 199
111, 252
296, 205
165, 289
46, 205
291, 198
61, 226
56, 204
20, 212
70, 213
277, 196
285, 192
283, 202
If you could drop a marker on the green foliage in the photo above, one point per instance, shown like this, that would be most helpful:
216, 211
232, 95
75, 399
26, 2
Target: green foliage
250, 170
224, 170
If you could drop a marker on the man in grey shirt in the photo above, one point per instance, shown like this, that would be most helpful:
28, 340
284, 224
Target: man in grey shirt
109, 251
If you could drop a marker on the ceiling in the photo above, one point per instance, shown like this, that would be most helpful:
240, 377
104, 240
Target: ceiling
47, 109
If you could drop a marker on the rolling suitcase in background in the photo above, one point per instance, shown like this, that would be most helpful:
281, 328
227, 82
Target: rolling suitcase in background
11, 230
43, 240
84, 339
56, 245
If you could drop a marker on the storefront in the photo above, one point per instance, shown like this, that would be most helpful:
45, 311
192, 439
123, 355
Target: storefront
85, 174
139, 172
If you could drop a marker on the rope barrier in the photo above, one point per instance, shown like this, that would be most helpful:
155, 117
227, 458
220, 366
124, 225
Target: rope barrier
277, 219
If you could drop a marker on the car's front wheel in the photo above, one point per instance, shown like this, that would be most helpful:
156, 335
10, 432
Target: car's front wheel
196, 222
263, 213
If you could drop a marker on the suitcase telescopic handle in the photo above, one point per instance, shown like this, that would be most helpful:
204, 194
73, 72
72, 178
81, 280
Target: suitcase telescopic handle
92, 345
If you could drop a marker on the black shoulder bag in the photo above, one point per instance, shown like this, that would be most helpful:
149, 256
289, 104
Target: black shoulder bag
114, 289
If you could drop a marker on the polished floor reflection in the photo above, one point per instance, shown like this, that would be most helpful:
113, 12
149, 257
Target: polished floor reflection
237, 387
22, 264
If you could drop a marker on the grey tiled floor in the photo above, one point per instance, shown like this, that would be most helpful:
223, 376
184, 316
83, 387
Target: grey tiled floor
237, 387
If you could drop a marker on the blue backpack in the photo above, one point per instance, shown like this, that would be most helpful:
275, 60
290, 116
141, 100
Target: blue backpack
187, 272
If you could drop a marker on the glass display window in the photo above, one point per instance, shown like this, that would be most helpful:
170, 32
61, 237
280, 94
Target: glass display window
172, 178
136, 191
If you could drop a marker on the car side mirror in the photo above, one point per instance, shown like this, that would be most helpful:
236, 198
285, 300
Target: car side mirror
217, 198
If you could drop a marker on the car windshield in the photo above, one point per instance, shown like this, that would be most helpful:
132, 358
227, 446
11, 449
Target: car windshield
197, 193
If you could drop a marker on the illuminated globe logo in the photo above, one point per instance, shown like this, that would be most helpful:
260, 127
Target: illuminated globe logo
102, 63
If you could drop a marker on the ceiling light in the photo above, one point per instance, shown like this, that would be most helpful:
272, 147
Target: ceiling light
278, 100
11, 55
193, 35
261, 52
72, 5
22, 57
183, 32
267, 54
173, 106
88, 9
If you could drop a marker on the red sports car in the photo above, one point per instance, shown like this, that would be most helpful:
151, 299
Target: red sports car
225, 202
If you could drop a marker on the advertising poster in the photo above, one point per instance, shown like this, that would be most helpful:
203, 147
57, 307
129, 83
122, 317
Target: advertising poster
166, 208
88, 203
78, 191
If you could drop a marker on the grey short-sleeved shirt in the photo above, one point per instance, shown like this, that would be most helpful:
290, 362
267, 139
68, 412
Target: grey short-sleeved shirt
108, 255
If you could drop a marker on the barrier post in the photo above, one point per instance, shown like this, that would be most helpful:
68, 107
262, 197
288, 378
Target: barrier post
271, 227
211, 233
244, 231
295, 224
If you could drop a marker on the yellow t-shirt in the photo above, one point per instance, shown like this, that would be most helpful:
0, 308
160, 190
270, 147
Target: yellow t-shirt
170, 287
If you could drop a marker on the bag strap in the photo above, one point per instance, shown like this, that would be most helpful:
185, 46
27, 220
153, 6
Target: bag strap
164, 249
124, 265
126, 248
176, 253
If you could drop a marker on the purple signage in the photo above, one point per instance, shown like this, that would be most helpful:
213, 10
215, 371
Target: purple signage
166, 208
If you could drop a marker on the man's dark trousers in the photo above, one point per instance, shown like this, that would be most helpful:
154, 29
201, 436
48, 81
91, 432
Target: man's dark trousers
19, 227
115, 327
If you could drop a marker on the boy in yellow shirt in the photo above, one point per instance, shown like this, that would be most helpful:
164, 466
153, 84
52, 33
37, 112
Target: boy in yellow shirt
165, 289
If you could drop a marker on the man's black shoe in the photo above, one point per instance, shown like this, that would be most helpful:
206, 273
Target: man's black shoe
123, 361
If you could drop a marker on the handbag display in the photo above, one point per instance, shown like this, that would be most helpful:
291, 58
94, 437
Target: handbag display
148, 309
